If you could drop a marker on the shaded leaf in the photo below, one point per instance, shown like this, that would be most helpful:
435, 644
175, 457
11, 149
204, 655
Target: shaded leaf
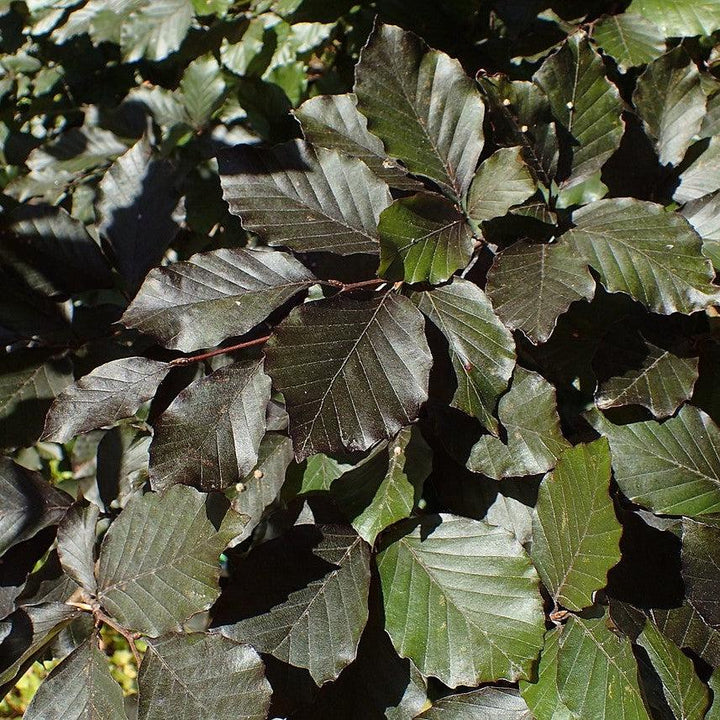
353, 372
532, 285
640, 249
80, 688
687, 696
52, 251
182, 533
714, 712
629, 38
135, 209
575, 533
701, 569
202, 88
423, 107
687, 629
701, 177
680, 18
334, 122
588, 106
461, 600
543, 697
423, 238
213, 296
673, 468
482, 350
662, 383
534, 440
385, 487
29, 504
488, 703
597, 673
210, 434
319, 473
671, 103
304, 198
503, 180
76, 537
180, 677
317, 597
109, 393
704, 215
29, 380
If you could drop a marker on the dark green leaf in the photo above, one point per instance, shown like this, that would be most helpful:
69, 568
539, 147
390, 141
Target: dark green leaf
214, 295
461, 600
672, 468
52, 252
543, 697
304, 198
137, 200
597, 673
701, 177
714, 712
29, 504
334, 122
532, 285
704, 215
80, 688
701, 569
181, 534
534, 440
641, 249
482, 350
488, 703
319, 473
76, 538
586, 103
680, 18
423, 238
503, 180
686, 695
662, 383
109, 393
671, 104
423, 107
204, 676
629, 38
576, 537
687, 629
210, 435
29, 380
317, 624
353, 372
385, 487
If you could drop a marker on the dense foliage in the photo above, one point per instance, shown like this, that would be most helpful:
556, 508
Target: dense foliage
361, 360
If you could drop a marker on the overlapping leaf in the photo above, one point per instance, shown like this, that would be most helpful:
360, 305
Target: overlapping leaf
597, 673
586, 103
423, 107
700, 177
461, 600
423, 238
685, 694
488, 703
321, 599
701, 569
353, 372
482, 350
532, 285
680, 18
671, 104
214, 295
80, 688
210, 435
304, 198
534, 440
672, 467
109, 393
159, 560
76, 538
575, 533
334, 122
687, 629
180, 675
661, 384
641, 249
629, 38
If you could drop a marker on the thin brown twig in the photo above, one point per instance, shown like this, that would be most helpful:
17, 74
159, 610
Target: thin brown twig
219, 351
347, 287
101, 617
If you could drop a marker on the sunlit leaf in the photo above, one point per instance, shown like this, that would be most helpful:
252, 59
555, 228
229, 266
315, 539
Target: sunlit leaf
629, 38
